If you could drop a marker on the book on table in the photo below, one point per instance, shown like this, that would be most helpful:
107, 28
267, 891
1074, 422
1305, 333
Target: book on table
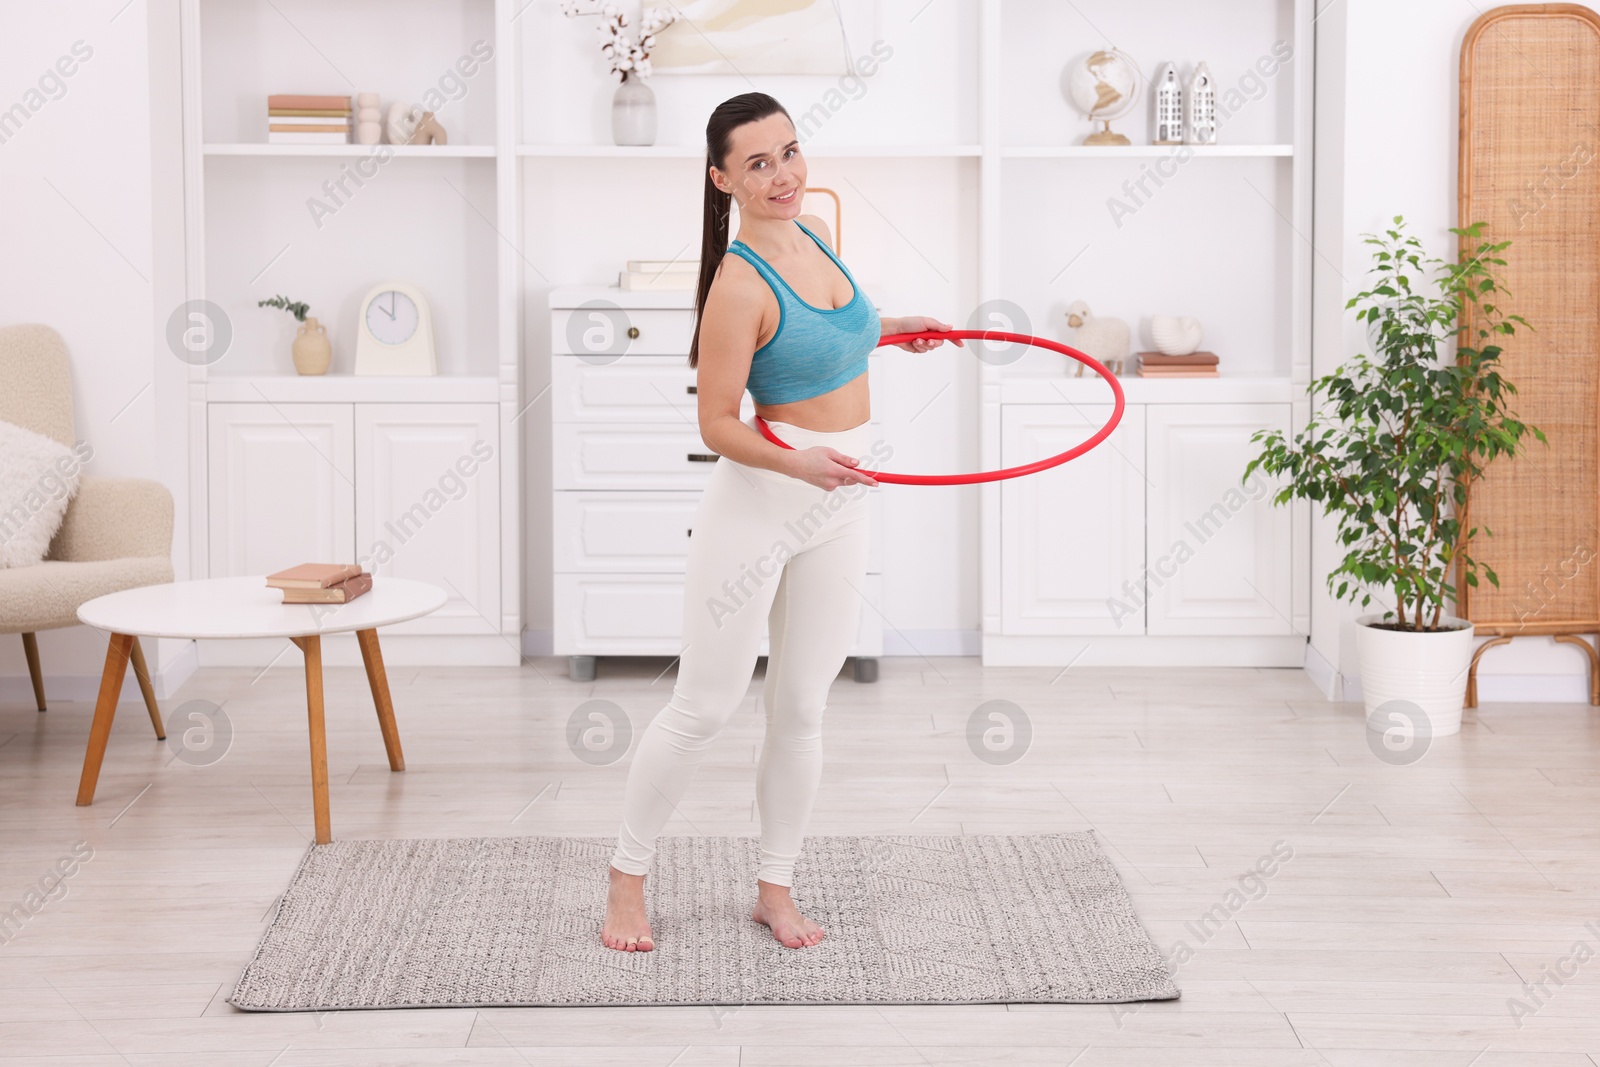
338, 593
313, 575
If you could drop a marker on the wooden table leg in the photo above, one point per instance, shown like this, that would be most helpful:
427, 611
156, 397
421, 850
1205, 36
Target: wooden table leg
105, 709
312, 647
30, 649
372, 656
142, 672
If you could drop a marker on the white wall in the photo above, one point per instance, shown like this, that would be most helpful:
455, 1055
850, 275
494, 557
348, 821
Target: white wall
78, 252
1387, 105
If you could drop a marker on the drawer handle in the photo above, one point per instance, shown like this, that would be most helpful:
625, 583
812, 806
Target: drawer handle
691, 390
689, 532
703, 457
633, 332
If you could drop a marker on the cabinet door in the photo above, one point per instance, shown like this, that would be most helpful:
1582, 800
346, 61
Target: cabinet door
428, 506
281, 481
1218, 550
1072, 537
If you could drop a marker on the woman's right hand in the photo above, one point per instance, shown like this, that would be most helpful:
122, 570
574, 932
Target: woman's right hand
827, 468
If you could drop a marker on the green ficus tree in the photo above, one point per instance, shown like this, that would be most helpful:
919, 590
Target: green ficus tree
1398, 437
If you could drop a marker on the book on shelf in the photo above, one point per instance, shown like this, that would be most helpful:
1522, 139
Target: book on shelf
338, 593
308, 120
312, 575
1191, 359
637, 281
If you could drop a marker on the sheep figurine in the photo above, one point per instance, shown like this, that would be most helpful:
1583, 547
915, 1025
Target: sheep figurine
1104, 338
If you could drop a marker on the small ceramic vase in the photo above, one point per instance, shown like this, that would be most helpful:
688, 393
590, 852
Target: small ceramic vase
312, 352
633, 112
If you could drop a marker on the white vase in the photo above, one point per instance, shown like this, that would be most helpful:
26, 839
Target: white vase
633, 112
1427, 669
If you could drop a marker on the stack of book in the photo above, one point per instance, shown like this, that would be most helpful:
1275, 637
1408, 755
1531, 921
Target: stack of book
308, 119
321, 583
1194, 365
643, 274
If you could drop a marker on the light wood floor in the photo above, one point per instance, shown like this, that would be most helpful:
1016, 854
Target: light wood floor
1418, 899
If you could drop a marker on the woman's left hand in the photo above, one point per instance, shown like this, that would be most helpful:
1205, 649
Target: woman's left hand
917, 324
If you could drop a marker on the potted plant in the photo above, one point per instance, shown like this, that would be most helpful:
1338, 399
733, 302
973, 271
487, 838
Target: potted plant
311, 351
1391, 451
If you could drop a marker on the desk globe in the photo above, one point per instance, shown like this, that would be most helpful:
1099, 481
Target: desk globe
1104, 85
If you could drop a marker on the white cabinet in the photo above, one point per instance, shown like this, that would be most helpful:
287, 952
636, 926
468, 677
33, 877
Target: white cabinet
280, 478
1072, 536
428, 506
1218, 551
627, 470
1150, 533
404, 489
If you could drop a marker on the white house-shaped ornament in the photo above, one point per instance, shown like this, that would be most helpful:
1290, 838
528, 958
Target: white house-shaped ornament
1200, 103
1169, 106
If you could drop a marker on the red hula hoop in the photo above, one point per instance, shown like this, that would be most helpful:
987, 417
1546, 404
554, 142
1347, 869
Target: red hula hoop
1007, 472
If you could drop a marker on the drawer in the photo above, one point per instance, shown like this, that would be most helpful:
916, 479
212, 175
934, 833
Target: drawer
642, 615
615, 532
632, 389
610, 456
600, 331
619, 456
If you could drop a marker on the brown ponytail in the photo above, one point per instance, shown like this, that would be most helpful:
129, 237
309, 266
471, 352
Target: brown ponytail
728, 115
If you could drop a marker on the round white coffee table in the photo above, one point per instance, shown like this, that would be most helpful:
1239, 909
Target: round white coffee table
248, 607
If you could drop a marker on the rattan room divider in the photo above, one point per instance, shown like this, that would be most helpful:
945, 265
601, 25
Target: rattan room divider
1529, 169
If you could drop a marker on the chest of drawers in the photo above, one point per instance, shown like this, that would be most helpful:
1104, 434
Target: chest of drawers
627, 470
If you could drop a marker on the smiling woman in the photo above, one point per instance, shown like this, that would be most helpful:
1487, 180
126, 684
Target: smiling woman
784, 318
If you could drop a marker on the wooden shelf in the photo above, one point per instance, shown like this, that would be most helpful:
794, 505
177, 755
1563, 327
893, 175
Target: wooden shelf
1090, 389
348, 388
659, 151
400, 151
1083, 151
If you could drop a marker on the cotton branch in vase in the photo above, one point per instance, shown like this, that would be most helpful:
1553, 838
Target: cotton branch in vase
625, 53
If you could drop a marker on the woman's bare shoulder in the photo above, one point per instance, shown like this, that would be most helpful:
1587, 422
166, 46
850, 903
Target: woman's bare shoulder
815, 224
736, 283
736, 301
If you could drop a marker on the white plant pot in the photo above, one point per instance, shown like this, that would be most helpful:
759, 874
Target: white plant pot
1426, 669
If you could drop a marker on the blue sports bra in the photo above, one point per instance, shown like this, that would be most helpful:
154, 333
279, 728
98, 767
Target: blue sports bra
815, 350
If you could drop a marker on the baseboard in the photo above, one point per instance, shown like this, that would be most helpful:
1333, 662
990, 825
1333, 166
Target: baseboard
1510, 688
85, 688
932, 643
895, 643
1323, 674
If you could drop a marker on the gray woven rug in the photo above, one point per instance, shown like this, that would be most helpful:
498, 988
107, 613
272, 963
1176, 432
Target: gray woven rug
511, 921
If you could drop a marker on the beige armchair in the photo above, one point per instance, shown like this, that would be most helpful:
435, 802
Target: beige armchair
117, 532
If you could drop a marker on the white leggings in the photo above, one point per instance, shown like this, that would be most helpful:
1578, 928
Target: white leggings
767, 547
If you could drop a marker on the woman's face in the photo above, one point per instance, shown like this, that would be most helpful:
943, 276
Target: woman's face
766, 173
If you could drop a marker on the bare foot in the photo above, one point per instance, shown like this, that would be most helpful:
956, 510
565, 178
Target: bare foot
775, 910
626, 928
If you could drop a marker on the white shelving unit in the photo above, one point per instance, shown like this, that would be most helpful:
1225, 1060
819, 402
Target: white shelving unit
525, 200
284, 466
1215, 233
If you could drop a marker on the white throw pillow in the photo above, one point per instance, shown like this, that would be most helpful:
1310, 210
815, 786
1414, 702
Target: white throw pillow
38, 479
